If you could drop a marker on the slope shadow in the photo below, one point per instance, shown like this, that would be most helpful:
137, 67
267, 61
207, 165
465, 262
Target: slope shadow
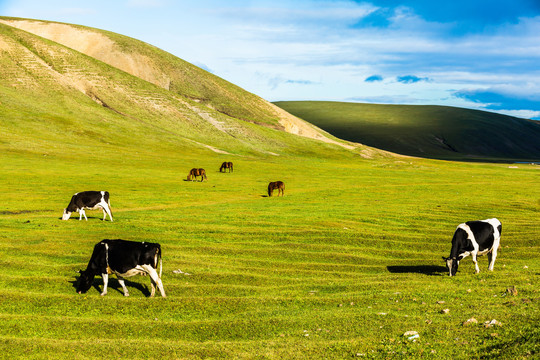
114, 285
431, 270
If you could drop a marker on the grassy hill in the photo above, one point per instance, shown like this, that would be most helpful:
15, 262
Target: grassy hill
105, 87
340, 267
438, 132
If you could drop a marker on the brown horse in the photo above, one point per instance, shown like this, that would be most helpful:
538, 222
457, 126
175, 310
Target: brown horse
193, 173
226, 165
276, 185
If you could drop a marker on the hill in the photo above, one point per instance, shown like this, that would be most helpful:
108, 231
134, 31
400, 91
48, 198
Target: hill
438, 132
62, 83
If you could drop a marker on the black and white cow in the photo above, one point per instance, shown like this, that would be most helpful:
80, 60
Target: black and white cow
91, 200
124, 259
474, 238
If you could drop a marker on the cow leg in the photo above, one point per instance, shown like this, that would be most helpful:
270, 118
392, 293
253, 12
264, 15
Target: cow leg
81, 214
155, 278
491, 257
106, 211
476, 268
153, 283
123, 285
105, 283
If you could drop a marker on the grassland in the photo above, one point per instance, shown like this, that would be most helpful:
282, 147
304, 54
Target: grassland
437, 132
340, 267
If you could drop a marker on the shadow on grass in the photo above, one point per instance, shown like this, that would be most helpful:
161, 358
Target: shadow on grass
89, 217
114, 285
432, 270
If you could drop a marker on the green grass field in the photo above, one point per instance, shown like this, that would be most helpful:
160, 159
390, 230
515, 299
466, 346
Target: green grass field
340, 267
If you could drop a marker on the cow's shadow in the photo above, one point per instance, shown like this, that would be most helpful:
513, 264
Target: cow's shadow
431, 270
114, 285
90, 217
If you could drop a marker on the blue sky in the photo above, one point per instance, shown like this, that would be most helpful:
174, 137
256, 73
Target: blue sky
481, 54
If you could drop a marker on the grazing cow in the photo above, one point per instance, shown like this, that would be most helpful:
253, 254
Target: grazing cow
474, 238
193, 173
226, 165
90, 200
276, 185
124, 259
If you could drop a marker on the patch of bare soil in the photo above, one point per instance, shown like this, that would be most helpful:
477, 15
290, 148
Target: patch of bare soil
297, 126
95, 45
4, 46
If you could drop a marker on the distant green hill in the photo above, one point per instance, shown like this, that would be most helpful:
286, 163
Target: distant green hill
438, 132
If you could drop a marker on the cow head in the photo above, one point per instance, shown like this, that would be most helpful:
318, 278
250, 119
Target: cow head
452, 265
66, 214
85, 281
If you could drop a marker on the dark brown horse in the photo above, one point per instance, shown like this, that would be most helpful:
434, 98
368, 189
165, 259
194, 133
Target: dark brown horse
226, 165
193, 173
276, 185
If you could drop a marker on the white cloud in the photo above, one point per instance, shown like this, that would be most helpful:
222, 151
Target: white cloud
524, 114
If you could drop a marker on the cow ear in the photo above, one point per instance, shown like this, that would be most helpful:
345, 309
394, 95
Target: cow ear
444, 258
79, 271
